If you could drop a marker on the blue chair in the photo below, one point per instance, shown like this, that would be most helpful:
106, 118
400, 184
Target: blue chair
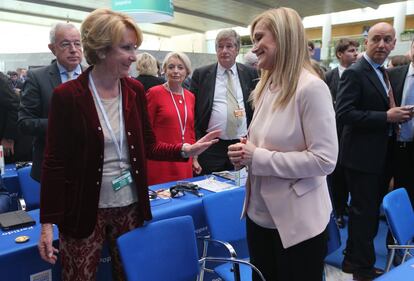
403, 272
400, 218
29, 188
222, 211
163, 250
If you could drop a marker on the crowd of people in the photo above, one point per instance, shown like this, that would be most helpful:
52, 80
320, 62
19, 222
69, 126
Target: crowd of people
307, 136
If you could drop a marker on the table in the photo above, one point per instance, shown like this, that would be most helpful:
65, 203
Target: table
11, 181
22, 261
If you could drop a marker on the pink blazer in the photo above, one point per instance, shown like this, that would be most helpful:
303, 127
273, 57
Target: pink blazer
296, 148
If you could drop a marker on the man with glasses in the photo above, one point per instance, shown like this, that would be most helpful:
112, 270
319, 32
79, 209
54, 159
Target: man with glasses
367, 110
222, 91
65, 44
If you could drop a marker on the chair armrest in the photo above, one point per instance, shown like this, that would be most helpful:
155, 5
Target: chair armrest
400, 247
234, 261
227, 245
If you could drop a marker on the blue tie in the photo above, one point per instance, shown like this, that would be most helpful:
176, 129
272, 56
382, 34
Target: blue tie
406, 130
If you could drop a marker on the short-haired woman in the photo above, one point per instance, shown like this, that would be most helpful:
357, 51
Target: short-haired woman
94, 177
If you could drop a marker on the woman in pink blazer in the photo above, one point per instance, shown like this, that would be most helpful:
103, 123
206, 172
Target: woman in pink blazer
290, 148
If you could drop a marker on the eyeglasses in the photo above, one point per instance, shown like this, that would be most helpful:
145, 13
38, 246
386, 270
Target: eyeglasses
68, 44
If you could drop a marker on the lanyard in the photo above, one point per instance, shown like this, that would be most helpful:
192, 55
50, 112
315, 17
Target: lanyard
182, 126
105, 117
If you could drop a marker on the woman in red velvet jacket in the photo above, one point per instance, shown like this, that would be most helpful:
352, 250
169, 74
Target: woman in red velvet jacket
94, 183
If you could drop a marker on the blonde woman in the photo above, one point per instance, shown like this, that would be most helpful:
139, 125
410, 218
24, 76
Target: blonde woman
290, 148
171, 114
147, 68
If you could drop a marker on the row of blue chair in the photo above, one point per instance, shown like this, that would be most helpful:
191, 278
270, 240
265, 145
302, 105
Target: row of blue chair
400, 218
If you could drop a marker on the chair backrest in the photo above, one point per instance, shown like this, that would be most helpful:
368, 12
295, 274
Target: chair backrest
29, 187
400, 215
161, 250
222, 211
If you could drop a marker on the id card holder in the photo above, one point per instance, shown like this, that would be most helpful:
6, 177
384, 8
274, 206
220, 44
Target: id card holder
124, 179
238, 113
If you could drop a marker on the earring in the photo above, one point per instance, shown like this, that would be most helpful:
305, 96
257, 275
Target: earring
101, 56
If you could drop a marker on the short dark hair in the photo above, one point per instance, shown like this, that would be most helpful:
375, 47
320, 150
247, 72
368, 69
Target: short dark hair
343, 44
311, 44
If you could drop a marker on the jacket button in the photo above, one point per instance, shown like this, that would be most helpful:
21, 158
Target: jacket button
136, 172
97, 183
99, 128
134, 159
99, 169
129, 133
132, 147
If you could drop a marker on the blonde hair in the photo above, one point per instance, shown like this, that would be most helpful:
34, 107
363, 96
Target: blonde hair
103, 29
146, 64
178, 55
291, 54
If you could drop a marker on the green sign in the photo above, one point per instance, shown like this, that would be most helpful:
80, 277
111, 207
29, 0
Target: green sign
146, 11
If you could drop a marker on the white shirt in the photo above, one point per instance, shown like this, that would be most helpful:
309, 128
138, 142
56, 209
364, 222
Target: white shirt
218, 118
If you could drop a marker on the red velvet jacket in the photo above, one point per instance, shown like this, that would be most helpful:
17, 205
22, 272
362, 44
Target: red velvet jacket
73, 160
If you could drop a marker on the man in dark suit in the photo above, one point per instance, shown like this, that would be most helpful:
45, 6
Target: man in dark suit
346, 50
366, 109
65, 44
216, 87
402, 82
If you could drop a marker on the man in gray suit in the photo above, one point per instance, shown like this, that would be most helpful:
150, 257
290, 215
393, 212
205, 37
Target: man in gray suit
65, 44
216, 87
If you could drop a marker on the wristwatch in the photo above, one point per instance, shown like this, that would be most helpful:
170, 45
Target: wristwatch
183, 153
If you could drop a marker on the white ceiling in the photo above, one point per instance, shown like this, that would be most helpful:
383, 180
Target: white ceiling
189, 15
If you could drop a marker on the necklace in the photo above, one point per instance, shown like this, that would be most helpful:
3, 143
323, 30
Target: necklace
183, 125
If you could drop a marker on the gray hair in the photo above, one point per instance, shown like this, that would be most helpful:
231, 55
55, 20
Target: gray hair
250, 59
56, 27
228, 34
181, 56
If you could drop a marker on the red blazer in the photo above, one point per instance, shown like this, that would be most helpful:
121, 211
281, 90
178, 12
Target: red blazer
73, 160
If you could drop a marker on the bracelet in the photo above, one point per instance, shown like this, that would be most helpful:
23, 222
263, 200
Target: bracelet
183, 153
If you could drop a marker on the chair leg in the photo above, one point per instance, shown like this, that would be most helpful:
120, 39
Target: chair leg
200, 277
390, 259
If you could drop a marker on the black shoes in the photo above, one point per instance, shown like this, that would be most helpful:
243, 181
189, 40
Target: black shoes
361, 275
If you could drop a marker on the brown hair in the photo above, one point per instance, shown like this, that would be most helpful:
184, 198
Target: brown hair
102, 29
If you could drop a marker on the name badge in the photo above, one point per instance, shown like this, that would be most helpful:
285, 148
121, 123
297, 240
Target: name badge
124, 179
238, 113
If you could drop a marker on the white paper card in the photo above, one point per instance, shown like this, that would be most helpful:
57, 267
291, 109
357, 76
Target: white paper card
42, 276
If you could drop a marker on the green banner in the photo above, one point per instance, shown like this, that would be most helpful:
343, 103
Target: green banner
146, 10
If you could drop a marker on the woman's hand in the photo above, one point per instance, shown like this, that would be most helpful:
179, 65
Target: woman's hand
46, 249
196, 166
202, 144
241, 154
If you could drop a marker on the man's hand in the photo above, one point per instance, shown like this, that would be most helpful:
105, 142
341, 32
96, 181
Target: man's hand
399, 114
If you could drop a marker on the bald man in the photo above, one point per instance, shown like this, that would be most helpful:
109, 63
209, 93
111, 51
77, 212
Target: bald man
366, 109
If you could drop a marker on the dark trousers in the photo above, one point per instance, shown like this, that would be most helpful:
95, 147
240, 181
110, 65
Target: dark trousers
215, 158
404, 167
339, 190
367, 191
304, 261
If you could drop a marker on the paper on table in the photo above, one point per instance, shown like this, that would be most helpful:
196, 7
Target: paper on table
214, 185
